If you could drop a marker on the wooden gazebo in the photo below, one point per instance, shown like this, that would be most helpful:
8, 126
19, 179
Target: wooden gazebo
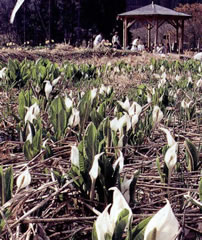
154, 16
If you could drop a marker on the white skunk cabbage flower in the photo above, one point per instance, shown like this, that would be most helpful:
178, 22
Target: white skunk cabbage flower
102, 89
74, 157
169, 137
29, 136
94, 169
125, 105
162, 68
16, 8
163, 225
119, 161
171, 156
177, 78
23, 180
32, 113
199, 83
120, 142
189, 80
68, 102
74, 119
93, 94
151, 67
157, 114
56, 80
135, 108
119, 204
186, 105
125, 119
162, 82
134, 120
114, 124
125, 188
164, 75
3, 72
103, 224
48, 88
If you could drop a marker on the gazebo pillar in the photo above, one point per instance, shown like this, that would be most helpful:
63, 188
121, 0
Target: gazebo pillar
156, 33
182, 36
125, 34
149, 36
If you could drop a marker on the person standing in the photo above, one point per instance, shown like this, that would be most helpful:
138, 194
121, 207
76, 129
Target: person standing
116, 41
98, 40
135, 44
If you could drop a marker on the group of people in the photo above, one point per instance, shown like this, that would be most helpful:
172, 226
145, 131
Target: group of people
99, 41
137, 44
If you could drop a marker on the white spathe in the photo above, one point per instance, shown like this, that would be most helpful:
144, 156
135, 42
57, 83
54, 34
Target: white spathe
32, 113
165, 223
169, 137
95, 167
16, 8
48, 88
74, 157
125, 105
135, 108
3, 72
103, 224
114, 124
56, 80
93, 94
157, 114
171, 156
24, 179
119, 204
68, 102
74, 119
119, 161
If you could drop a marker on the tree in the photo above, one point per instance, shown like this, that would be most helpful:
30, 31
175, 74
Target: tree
193, 26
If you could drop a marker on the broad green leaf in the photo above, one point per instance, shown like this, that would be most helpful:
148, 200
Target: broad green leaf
2, 186
94, 233
193, 156
138, 231
121, 224
8, 183
21, 106
133, 186
200, 189
90, 144
161, 174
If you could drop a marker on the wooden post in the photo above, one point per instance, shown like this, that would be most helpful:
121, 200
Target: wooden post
149, 36
156, 33
125, 35
177, 34
182, 36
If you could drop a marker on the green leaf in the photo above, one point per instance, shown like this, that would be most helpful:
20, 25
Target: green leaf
85, 108
138, 231
90, 143
2, 186
133, 186
8, 183
200, 189
21, 107
121, 224
193, 156
161, 174
94, 232
96, 117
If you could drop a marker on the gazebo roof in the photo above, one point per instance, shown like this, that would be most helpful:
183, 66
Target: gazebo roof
154, 10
